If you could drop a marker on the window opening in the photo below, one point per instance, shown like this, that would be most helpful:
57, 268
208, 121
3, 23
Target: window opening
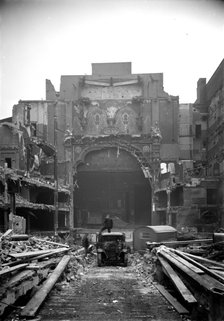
34, 129
8, 160
198, 131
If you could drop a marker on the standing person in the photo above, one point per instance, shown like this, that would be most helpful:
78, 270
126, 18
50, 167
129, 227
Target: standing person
107, 224
85, 243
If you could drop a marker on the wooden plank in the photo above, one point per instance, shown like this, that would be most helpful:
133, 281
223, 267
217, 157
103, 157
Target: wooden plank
49, 242
43, 265
19, 237
179, 243
220, 273
4, 272
7, 233
9, 296
33, 305
200, 279
19, 277
37, 253
200, 266
49, 254
183, 290
28, 254
184, 261
38, 257
202, 259
173, 301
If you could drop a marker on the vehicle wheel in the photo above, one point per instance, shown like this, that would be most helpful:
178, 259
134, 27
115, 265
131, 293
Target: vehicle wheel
125, 260
99, 259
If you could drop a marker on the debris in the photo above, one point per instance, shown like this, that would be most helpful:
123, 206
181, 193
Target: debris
180, 286
9, 270
38, 298
151, 245
25, 262
49, 242
7, 233
199, 285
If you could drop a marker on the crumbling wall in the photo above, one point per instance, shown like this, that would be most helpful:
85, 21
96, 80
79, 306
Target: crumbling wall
11, 143
51, 93
118, 92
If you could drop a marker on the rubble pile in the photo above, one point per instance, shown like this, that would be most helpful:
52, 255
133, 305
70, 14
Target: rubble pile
143, 264
198, 282
215, 251
29, 262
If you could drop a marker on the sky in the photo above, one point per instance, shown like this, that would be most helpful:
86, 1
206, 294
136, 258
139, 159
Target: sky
44, 39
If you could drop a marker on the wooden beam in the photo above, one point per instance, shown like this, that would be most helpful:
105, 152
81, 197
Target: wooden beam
200, 266
204, 260
51, 253
181, 287
19, 237
19, 277
7, 233
28, 254
12, 269
178, 243
49, 242
9, 295
37, 257
220, 273
173, 301
184, 261
43, 264
33, 305
209, 284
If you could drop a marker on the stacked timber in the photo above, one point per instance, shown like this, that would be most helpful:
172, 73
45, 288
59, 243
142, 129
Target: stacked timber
198, 282
25, 263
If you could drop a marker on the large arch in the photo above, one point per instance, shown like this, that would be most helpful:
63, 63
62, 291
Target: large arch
111, 177
143, 161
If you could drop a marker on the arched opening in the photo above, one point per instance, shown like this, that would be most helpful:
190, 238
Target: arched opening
111, 181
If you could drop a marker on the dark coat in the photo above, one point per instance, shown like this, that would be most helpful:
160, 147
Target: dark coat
108, 223
85, 242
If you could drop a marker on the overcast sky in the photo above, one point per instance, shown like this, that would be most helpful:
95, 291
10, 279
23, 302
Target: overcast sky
44, 39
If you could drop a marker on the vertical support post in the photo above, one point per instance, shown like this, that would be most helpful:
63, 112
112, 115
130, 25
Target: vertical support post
153, 203
71, 182
6, 201
154, 216
168, 210
6, 185
28, 223
12, 209
6, 220
55, 176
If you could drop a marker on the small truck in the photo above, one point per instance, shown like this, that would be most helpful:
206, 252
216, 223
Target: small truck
111, 249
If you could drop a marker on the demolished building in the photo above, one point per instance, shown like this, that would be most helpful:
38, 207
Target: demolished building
125, 147
25, 191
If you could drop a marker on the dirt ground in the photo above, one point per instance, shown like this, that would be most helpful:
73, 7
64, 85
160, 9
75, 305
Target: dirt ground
107, 293
88, 292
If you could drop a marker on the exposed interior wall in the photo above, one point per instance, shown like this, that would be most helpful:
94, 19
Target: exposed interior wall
185, 131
